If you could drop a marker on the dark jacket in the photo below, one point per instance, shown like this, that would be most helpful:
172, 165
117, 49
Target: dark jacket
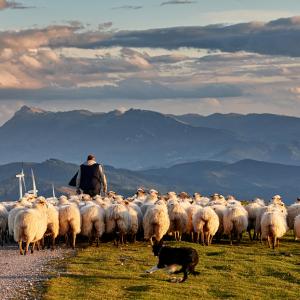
91, 179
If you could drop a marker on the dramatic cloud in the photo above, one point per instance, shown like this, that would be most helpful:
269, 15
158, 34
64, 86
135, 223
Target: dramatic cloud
174, 2
278, 37
67, 64
12, 5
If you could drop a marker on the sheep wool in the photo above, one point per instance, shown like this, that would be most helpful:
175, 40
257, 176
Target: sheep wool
30, 226
156, 221
235, 221
273, 226
292, 212
178, 219
297, 227
3, 223
93, 221
206, 223
69, 222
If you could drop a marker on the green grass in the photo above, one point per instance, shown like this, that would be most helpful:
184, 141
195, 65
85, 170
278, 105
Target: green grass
248, 271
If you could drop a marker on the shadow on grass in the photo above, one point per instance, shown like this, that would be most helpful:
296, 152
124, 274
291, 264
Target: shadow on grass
138, 288
285, 276
215, 253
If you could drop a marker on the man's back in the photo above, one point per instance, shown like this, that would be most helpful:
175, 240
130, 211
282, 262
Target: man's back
91, 177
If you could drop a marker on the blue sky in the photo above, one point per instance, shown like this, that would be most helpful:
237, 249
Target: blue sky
49, 61
150, 15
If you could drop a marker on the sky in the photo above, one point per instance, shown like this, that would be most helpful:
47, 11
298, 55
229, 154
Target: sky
172, 56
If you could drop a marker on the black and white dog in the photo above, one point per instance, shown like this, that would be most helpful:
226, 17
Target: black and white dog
169, 257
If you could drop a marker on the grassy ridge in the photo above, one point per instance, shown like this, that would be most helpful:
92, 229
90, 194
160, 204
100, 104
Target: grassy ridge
248, 271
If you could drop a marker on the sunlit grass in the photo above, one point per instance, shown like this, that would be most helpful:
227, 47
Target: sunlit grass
248, 271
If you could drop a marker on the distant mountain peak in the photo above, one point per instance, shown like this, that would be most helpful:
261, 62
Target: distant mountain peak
30, 110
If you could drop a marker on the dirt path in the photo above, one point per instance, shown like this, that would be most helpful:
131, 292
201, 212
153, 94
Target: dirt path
19, 275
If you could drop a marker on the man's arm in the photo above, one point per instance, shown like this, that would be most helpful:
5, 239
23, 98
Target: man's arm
78, 179
103, 179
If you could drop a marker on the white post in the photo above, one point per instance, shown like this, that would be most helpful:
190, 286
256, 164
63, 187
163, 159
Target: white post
20, 177
53, 191
33, 184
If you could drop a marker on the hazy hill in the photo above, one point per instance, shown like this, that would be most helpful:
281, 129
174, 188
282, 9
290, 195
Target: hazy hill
135, 139
139, 139
245, 179
59, 173
269, 137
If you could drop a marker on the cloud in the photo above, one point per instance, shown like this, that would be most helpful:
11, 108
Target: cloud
175, 2
128, 7
12, 5
274, 38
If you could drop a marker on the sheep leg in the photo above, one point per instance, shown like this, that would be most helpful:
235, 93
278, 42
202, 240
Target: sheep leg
192, 236
151, 241
67, 239
269, 241
32, 247
274, 242
21, 248
73, 239
26, 247
230, 237
180, 236
38, 245
202, 238
53, 242
250, 237
209, 239
97, 241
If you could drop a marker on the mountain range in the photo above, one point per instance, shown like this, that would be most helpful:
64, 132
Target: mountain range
139, 139
245, 179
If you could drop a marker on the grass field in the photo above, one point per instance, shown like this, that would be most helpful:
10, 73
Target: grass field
248, 271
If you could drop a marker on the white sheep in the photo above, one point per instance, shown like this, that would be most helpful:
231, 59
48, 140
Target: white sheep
3, 223
297, 227
156, 221
277, 200
93, 221
117, 222
292, 212
52, 225
190, 227
220, 211
178, 218
63, 200
135, 206
134, 218
253, 209
30, 225
69, 222
273, 225
150, 200
206, 223
11, 218
235, 221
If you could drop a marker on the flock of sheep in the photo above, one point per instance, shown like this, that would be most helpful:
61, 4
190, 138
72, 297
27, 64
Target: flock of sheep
150, 216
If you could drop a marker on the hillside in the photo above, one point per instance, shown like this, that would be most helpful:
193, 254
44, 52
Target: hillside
245, 179
59, 173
